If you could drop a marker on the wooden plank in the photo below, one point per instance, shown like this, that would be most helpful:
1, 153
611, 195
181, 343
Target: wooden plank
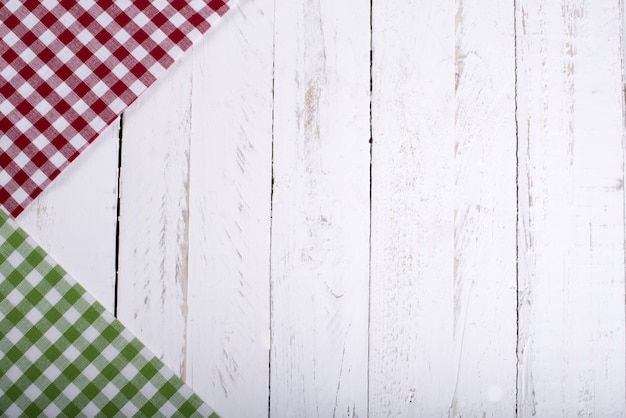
74, 219
320, 219
485, 210
230, 204
571, 195
443, 318
412, 359
152, 283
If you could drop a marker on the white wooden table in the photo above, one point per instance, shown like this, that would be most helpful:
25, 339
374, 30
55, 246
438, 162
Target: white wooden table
337, 208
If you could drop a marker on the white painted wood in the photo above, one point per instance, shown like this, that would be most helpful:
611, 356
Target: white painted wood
485, 210
229, 221
152, 283
288, 82
442, 333
412, 358
571, 196
320, 222
74, 219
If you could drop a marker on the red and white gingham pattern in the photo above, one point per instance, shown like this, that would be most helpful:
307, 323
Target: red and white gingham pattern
69, 68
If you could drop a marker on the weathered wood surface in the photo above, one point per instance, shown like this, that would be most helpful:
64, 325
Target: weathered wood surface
196, 268
230, 211
412, 358
571, 200
448, 243
75, 218
320, 217
443, 312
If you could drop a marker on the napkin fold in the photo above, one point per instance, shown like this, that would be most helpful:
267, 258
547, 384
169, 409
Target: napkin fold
69, 68
63, 354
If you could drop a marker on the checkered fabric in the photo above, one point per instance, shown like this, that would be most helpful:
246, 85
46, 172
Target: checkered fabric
68, 68
62, 354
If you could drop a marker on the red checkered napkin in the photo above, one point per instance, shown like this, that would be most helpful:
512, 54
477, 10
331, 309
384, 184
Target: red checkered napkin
69, 68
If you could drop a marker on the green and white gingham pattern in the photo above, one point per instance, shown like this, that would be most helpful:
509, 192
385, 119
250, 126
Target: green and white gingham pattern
62, 354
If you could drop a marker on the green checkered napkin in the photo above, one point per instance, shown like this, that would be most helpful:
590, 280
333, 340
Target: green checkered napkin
62, 354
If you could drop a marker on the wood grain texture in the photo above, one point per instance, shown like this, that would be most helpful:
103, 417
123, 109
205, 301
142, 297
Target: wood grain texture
485, 210
412, 358
443, 210
283, 268
320, 222
571, 195
152, 283
74, 219
229, 222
